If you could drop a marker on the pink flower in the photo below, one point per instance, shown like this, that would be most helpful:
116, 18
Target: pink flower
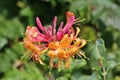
37, 42
51, 34
61, 44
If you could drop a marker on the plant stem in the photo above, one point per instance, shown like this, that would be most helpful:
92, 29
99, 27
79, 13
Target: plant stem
104, 74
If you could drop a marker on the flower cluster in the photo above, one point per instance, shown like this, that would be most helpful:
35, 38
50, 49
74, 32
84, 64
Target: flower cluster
62, 43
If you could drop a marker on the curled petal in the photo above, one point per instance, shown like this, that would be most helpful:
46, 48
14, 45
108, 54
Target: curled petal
37, 58
83, 43
78, 31
41, 62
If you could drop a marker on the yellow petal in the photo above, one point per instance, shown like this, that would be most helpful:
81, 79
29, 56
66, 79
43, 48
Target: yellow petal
61, 54
83, 43
53, 45
78, 31
70, 39
40, 61
73, 50
64, 41
43, 51
77, 42
51, 53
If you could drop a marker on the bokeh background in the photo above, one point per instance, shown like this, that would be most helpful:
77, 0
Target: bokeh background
101, 29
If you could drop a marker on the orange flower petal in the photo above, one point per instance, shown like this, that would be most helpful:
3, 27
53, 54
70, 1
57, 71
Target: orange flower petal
53, 45
77, 42
67, 63
69, 15
69, 40
64, 41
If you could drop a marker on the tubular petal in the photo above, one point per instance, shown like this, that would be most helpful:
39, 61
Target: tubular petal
69, 15
68, 24
39, 24
54, 25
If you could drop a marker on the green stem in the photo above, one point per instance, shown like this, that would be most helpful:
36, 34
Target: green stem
104, 74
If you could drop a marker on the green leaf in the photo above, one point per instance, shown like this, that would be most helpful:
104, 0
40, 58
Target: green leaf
78, 4
108, 40
96, 76
118, 41
62, 78
101, 46
3, 42
98, 50
111, 64
29, 72
88, 33
95, 53
26, 11
84, 78
77, 63
11, 28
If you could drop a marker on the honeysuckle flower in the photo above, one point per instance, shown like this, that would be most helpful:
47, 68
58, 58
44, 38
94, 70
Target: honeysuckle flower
61, 43
65, 49
37, 41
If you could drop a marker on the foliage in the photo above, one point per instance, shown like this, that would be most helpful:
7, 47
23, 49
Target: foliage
101, 30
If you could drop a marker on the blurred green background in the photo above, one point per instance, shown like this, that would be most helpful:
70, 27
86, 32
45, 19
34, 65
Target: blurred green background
101, 29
